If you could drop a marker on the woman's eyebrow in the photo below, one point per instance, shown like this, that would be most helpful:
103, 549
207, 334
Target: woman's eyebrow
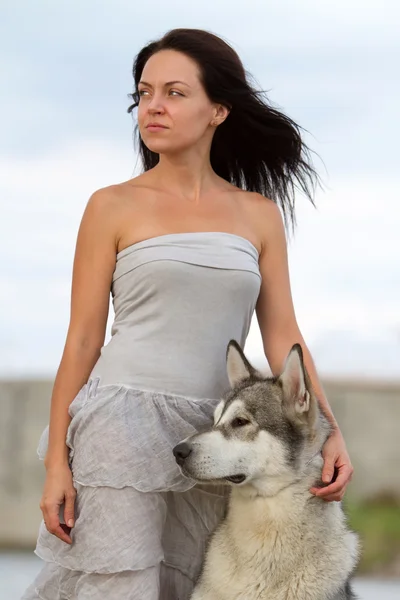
165, 84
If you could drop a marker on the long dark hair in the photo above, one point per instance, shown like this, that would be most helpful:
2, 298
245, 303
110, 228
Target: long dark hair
256, 148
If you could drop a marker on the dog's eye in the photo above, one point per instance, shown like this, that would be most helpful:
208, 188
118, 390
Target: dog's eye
239, 422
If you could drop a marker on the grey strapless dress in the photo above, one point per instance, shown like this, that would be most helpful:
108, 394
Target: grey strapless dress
140, 526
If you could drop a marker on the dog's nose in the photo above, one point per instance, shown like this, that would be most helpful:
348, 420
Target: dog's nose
181, 452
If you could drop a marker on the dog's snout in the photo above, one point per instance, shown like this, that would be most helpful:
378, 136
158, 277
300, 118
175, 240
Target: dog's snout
181, 452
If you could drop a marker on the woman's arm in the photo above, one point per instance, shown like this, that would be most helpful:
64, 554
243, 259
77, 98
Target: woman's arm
279, 331
94, 263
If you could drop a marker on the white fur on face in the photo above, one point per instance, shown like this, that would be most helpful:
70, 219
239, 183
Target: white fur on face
218, 411
217, 456
235, 409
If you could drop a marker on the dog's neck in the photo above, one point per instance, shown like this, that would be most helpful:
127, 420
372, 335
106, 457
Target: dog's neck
296, 483
266, 507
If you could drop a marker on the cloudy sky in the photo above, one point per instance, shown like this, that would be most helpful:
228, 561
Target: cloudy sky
333, 67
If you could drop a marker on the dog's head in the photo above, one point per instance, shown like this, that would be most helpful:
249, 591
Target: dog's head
265, 429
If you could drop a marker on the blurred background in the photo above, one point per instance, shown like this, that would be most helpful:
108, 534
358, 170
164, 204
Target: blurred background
333, 68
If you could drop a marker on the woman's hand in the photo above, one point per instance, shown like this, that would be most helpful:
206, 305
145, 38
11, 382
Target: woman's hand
336, 463
58, 489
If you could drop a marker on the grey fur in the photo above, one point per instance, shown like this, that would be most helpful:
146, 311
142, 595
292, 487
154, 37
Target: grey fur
277, 541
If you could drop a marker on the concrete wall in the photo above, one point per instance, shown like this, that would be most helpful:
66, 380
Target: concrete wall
368, 414
369, 418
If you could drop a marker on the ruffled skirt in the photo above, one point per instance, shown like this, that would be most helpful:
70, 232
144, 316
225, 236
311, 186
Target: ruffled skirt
140, 526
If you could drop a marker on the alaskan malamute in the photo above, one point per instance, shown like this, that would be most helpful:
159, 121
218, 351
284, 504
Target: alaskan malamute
277, 541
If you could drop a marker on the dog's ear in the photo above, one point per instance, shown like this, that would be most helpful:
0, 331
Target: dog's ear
238, 366
294, 381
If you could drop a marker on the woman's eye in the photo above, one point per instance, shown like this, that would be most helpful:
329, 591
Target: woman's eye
239, 422
142, 92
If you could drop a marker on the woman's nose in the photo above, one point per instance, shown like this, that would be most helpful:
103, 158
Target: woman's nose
155, 105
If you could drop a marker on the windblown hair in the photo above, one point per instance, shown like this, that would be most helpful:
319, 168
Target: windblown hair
257, 148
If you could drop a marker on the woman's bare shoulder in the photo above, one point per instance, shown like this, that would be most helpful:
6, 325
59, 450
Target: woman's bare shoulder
116, 197
263, 214
259, 202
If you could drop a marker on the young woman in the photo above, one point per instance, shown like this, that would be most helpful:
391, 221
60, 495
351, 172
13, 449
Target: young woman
190, 248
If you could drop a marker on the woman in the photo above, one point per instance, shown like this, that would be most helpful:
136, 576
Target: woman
190, 248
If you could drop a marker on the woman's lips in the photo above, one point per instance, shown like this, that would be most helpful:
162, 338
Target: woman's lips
156, 128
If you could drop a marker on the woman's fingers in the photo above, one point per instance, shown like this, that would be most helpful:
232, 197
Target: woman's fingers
335, 491
53, 525
59, 490
334, 497
69, 508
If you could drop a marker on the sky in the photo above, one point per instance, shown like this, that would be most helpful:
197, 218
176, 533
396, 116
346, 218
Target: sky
65, 132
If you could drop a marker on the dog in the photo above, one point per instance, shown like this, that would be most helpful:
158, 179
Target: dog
277, 541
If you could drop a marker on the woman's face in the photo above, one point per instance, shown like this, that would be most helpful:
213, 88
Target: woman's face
170, 93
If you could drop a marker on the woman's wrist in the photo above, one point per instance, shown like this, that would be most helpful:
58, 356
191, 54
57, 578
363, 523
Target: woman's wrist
56, 461
335, 429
